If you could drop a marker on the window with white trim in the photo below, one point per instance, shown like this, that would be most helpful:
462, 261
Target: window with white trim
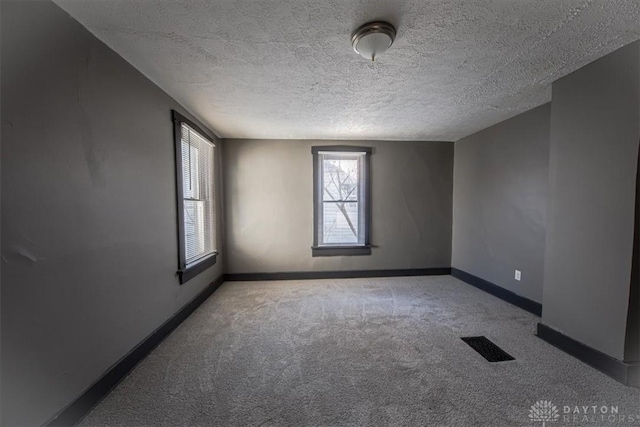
195, 172
341, 200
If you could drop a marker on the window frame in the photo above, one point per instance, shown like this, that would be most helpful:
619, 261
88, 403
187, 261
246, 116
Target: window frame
364, 208
185, 273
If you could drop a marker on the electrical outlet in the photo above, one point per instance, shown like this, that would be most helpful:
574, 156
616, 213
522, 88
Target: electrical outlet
518, 275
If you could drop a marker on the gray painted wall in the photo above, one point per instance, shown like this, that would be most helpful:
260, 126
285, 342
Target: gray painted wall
593, 161
269, 206
89, 248
500, 202
632, 339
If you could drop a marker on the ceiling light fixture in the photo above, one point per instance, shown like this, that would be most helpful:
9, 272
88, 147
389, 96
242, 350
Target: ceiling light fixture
373, 38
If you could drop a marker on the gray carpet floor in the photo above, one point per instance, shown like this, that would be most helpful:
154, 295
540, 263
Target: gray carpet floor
355, 352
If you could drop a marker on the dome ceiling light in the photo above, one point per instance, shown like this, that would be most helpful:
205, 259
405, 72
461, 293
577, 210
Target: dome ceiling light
373, 38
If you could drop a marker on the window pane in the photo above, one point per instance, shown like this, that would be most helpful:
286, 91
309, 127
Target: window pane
340, 178
340, 223
193, 229
190, 171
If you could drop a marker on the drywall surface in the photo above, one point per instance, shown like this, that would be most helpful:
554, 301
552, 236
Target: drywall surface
632, 339
269, 206
89, 246
286, 69
592, 184
500, 202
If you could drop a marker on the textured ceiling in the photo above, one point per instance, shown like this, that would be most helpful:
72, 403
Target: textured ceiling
285, 69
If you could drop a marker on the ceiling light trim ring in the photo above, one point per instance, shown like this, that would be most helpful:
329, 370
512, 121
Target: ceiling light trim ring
376, 27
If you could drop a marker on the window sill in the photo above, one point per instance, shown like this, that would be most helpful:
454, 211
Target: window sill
340, 250
193, 270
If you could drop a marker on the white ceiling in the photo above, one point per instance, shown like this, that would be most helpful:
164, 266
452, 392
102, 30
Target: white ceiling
285, 69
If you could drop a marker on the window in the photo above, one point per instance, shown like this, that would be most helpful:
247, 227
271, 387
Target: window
342, 206
196, 201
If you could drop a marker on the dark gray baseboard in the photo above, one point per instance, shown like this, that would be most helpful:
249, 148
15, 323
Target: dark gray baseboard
305, 275
77, 409
524, 303
625, 373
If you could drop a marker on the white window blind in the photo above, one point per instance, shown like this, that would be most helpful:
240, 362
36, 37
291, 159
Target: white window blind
198, 192
341, 202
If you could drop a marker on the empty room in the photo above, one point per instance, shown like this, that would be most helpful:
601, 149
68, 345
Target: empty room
320, 213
